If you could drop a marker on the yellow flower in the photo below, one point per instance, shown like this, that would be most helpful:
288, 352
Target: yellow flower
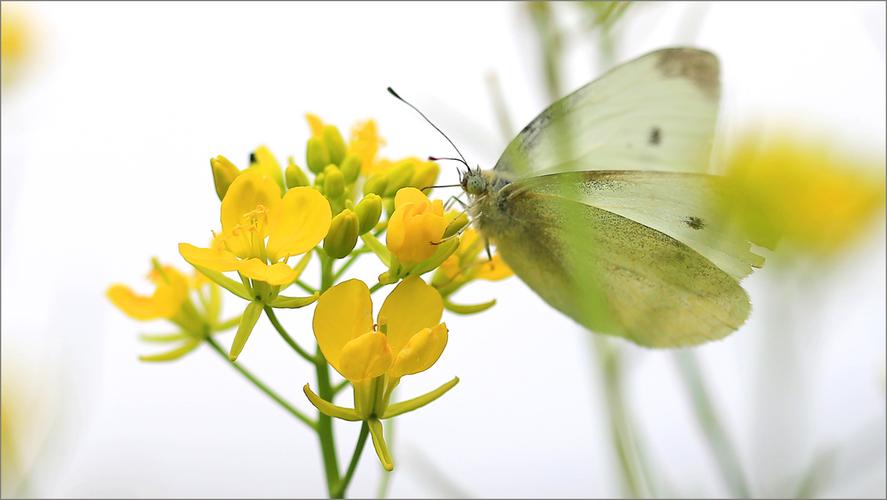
171, 301
365, 143
416, 227
467, 263
809, 196
170, 293
407, 338
261, 230
15, 41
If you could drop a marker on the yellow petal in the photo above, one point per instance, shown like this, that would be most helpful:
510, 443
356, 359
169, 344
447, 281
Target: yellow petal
216, 259
275, 274
343, 312
365, 357
298, 223
245, 210
409, 195
422, 351
165, 302
493, 270
410, 307
315, 123
365, 143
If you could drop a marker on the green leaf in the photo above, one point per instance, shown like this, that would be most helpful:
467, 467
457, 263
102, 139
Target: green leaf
174, 354
377, 247
469, 308
225, 282
284, 302
416, 403
379, 444
330, 409
247, 323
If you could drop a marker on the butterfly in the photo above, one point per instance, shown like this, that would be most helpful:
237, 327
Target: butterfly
602, 205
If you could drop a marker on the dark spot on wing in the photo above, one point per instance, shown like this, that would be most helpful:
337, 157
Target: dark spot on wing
655, 136
699, 66
252, 158
694, 222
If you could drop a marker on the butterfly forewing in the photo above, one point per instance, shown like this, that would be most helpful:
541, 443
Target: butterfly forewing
657, 112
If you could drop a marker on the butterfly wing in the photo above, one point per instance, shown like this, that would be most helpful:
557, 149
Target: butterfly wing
656, 112
621, 256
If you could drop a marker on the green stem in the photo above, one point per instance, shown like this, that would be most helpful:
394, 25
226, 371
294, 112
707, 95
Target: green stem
305, 286
376, 287
715, 434
289, 340
325, 391
352, 466
264, 388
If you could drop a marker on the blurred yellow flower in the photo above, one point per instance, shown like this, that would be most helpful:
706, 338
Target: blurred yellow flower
261, 229
416, 227
809, 196
170, 293
15, 41
365, 143
171, 301
408, 337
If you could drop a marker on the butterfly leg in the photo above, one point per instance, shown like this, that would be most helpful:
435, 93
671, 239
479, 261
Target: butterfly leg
456, 199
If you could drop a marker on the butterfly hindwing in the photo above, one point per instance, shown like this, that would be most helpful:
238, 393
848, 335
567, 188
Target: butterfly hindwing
611, 274
657, 112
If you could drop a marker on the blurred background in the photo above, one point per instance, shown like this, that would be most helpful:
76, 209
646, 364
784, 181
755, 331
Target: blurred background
110, 113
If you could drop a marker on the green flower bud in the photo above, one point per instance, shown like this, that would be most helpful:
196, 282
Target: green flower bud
342, 235
333, 182
369, 210
425, 175
317, 155
399, 176
351, 168
295, 177
334, 144
456, 224
377, 184
224, 173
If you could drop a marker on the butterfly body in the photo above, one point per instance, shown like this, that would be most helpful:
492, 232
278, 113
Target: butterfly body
601, 205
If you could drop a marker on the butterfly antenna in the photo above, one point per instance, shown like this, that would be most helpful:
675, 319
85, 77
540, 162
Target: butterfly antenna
392, 92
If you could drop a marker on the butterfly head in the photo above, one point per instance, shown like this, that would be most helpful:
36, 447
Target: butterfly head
474, 182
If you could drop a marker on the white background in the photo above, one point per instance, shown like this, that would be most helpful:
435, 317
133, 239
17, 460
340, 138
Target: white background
105, 143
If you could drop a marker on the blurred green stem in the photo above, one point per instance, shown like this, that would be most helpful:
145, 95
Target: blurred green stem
352, 466
325, 391
715, 434
636, 481
261, 385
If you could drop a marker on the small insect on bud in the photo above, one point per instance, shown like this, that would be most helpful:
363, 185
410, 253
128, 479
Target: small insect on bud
333, 182
342, 236
224, 173
317, 155
369, 210
334, 144
295, 177
351, 168
376, 184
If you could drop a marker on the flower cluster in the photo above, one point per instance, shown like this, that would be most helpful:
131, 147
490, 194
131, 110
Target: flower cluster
336, 208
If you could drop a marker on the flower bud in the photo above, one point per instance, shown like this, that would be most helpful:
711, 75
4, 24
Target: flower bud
224, 173
425, 174
369, 210
295, 177
399, 176
342, 235
317, 155
351, 168
335, 145
377, 184
333, 182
